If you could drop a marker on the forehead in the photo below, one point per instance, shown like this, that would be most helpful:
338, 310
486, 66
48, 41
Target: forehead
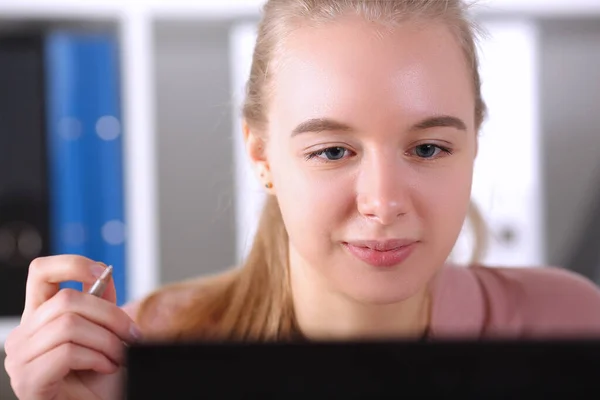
338, 68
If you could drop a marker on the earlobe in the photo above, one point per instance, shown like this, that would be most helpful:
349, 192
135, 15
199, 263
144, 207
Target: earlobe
245, 130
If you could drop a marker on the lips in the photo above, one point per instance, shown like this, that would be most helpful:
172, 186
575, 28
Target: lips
382, 245
381, 253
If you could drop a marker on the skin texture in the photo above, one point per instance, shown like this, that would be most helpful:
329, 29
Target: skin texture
385, 177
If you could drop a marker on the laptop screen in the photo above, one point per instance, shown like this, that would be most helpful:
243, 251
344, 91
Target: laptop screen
364, 370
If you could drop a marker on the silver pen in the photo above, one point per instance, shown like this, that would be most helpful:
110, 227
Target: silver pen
98, 288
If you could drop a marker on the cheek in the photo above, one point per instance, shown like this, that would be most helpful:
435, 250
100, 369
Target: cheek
310, 200
445, 203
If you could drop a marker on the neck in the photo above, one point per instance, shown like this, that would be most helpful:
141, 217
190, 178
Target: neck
323, 314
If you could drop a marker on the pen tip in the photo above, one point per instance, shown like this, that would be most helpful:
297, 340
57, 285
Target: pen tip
106, 272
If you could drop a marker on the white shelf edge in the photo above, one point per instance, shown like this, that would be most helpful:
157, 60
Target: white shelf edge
238, 9
7, 324
538, 8
102, 9
223, 9
141, 196
250, 196
486, 8
40, 9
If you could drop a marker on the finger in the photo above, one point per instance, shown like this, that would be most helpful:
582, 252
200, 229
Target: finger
73, 328
46, 274
51, 368
12, 340
94, 309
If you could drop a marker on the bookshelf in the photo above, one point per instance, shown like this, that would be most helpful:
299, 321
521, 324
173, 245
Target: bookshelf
135, 22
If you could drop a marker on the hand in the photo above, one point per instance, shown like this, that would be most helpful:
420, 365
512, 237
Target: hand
69, 344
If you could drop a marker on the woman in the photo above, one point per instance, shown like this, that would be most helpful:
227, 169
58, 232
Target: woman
361, 120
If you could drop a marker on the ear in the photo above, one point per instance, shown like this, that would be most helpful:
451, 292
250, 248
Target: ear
255, 148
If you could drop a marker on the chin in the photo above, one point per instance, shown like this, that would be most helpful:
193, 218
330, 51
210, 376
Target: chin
383, 290
381, 299
382, 285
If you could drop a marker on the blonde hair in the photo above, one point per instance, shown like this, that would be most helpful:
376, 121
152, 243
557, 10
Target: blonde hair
254, 302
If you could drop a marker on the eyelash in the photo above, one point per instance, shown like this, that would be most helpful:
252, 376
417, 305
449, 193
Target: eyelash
320, 152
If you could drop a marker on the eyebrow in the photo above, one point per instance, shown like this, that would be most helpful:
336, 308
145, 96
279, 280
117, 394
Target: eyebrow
316, 125
440, 121
320, 125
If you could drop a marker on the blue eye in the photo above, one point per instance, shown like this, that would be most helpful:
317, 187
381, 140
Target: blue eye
429, 150
329, 154
337, 153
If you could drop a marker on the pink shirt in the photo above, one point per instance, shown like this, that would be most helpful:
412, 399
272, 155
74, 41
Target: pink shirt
485, 302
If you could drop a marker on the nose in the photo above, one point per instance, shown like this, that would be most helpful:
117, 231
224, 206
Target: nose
383, 190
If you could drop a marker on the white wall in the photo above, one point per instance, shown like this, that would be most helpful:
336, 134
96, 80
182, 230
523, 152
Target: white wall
507, 180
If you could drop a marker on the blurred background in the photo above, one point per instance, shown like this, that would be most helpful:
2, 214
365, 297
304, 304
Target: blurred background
120, 138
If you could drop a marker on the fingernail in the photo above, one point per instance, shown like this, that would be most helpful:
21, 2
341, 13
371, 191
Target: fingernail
135, 332
97, 270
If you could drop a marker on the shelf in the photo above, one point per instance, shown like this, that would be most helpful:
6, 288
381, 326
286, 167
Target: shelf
205, 9
240, 9
102, 9
540, 8
59, 9
135, 31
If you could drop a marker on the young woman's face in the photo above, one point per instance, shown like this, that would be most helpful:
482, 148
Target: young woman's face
371, 146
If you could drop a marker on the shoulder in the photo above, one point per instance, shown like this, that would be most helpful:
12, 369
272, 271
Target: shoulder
155, 311
156, 307
543, 299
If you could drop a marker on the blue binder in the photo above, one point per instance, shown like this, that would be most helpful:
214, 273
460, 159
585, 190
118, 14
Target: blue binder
85, 150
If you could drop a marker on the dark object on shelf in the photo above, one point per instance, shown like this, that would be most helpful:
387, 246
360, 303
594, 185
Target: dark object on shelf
24, 212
